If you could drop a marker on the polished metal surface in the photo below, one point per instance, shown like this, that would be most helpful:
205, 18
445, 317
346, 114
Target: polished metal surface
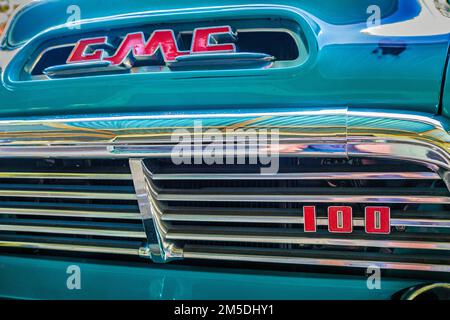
68, 247
158, 248
64, 175
217, 197
399, 135
87, 209
67, 194
80, 69
285, 237
73, 231
299, 175
416, 291
214, 235
70, 213
238, 60
242, 255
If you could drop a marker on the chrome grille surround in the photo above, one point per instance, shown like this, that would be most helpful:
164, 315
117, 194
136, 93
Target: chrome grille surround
236, 225
355, 133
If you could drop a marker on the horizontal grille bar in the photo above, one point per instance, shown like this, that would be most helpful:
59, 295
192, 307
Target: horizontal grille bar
300, 198
69, 247
73, 231
239, 254
67, 194
65, 175
297, 175
283, 237
71, 213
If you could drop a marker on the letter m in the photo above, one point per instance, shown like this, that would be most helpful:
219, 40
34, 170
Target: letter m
161, 40
164, 40
133, 43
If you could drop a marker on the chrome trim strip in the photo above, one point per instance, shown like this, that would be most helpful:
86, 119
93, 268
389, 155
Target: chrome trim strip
299, 175
69, 247
67, 194
420, 222
418, 290
153, 150
237, 60
137, 172
65, 175
157, 247
286, 239
242, 256
74, 231
82, 69
71, 213
308, 132
300, 198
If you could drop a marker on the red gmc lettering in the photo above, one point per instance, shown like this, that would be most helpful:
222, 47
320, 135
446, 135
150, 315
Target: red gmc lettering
202, 40
79, 52
134, 43
162, 41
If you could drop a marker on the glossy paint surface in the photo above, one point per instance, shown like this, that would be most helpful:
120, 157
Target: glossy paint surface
26, 278
446, 94
397, 65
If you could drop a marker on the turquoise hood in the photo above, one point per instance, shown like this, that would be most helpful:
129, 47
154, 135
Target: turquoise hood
346, 59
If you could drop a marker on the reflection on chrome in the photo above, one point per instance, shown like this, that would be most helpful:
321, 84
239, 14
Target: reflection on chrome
321, 132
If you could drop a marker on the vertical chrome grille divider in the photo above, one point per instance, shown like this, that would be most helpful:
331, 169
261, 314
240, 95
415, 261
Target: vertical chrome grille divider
157, 247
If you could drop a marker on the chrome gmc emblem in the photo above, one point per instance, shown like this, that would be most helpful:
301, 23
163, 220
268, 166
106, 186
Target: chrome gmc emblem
163, 42
377, 220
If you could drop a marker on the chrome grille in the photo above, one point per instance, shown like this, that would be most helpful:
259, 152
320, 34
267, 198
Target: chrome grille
69, 205
234, 213
227, 213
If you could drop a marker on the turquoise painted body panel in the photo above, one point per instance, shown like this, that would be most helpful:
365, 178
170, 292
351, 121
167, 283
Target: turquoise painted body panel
347, 64
446, 94
32, 278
